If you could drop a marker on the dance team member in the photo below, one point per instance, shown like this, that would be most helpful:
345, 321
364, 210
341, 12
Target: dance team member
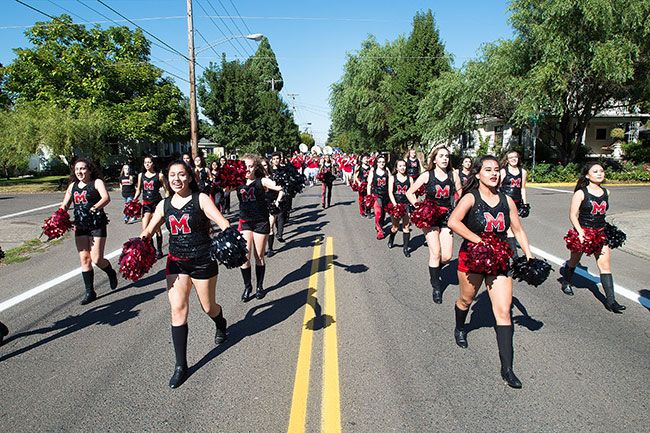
484, 209
149, 183
589, 207
216, 190
513, 184
465, 169
127, 187
398, 185
226, 193
88, 195
254, 221
187, 215
441, 184
378, 180
328, 169
361, 172
413, 165
202, 174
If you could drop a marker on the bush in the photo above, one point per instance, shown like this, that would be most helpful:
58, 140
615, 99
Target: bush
614, 171
638, 152
617, 133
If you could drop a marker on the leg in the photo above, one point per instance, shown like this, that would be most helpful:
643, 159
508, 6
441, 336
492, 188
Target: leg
281, 221
512, 242
500, 291
322, 194
468, 285
569, 269
178, 293
433, 243
607, 281
362, 209
393, 231
98, 245
406, 235
246, 267
259, 240
83, 244
446, 245
206, 292
378, 206
272, 220
329, 194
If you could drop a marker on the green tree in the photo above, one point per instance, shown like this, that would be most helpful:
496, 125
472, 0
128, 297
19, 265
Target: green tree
307, 138
265, 66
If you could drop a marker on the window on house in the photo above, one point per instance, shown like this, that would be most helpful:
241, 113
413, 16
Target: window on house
601, 133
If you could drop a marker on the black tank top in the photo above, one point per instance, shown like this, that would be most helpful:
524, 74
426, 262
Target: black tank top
271, 195
252, 202
441, 191
86, 197
511, 184
204, 183
400, 188
593, 209
128, 186
150, 187
363, 174
463, 177
483, 218
412, 167
189, 229
380, 184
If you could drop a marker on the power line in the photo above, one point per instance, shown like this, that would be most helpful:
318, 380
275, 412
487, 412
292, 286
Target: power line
235, 24
208, 43
226, 25
66, 10
224, 35
242, 20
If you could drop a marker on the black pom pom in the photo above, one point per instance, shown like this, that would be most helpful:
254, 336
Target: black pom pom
524, 210
84, 219
273, 209
229, 248
615, 236
2, 254
533, 271
288, 177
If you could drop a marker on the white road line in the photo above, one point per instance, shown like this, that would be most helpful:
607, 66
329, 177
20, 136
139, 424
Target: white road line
629, 294
28, 211
552, 189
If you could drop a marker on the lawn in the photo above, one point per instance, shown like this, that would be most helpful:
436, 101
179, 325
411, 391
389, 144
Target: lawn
33, 184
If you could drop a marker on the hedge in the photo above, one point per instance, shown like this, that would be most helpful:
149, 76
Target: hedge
614, 171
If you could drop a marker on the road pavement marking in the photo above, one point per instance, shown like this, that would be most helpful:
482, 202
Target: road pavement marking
553, 189
331, 402
301, 383
29, 210
629, 294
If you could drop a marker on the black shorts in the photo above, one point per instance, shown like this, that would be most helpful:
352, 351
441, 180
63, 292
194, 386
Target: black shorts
201, 268
262, 227
95, 233
149, 206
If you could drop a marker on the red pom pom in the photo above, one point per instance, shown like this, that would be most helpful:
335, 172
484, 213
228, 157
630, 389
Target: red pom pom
133, 209
320, 176
593, 241
396, 211
369, 200
57, 224
354, 186
490, 256
426, 214
232, 174
422, 191
138, 256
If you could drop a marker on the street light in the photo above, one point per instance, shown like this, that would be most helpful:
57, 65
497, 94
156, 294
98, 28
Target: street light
253, 37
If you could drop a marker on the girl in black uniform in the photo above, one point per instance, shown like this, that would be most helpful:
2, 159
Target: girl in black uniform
88, 194
483, 209
328, 169
202, 174
413, 165
127, 187
398, 185
441, 184
187, 215
589, 206
149, 183
361, 172
465, 169
271, 196
513, 184
254, 221
226, 193
216, 190
378, 180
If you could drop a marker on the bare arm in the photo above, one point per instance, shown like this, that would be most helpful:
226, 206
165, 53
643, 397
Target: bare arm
391, 183
455, 222
421, 180
67, 197
137, 187
457, 185
517, 228
155, 222
574, 210
105, 198
524, 178
370, 177
212, 212
163, 182
502, 175
270, 184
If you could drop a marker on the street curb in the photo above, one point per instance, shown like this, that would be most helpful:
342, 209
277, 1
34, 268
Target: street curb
555, 184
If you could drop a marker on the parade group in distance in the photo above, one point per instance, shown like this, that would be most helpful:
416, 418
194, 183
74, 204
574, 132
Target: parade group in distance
482, 203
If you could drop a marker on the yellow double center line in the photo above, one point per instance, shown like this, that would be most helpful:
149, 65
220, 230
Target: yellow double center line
330, 401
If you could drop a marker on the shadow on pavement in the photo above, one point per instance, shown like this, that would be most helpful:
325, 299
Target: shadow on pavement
646, 294
482, 316
112, 314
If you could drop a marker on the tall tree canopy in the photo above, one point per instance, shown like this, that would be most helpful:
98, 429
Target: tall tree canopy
265, 66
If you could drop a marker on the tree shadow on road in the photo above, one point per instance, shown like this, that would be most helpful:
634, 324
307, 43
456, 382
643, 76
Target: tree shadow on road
113, 314
305, 217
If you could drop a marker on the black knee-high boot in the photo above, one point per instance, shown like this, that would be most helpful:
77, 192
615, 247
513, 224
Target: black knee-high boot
89, 283
391, 239
504, 343
159, 242
221, 325
271, 239
512, 242
608, 285
406, 238
567, 288
248, 286
259, 277
179, 338
459, 333
112, 275
434, 278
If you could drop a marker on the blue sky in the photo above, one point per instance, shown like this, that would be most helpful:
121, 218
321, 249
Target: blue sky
310, 38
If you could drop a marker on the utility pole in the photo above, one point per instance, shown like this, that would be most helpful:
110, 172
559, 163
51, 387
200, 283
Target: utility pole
273, 81
194, 121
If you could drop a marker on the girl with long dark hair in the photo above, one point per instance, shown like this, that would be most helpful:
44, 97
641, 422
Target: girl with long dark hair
216, 190
589, 207
513, 184
440, 183
187, 215
254, 221
226, 193
378, 181
127, 187
464, 170
361, 172
483, 208
398, 185
413, 164
328, 170
88, 195
149, 183
202, 174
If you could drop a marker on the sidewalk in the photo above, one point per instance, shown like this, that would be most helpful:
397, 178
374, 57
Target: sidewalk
636, 225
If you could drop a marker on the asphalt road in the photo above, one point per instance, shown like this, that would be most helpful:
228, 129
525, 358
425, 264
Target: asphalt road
381, 357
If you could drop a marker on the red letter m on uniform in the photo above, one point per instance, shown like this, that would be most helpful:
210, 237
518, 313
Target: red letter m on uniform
598, 208
181, 225
515, 183
80, 197
148, 185
442, 192
493, 224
